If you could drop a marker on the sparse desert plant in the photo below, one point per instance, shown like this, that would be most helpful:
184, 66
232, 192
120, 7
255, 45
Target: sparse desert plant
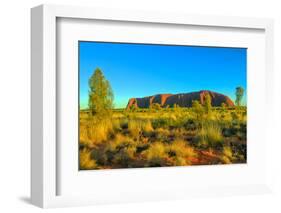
83, 134
124, 123
85, 160
99, 155
155, 107
227, 155
133, 108
146, 126
227, 152
210, 135
227, 117
125, 156
198, 109
161, 123
99, 132
235, 115
134, 127
162, 134
118, 142
181, 152
156, 154
181, 148
180, 161
116, 124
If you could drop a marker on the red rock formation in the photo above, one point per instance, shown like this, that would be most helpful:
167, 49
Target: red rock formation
182, 100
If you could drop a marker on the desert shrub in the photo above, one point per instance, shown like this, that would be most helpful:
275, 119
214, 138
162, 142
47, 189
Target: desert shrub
162, 134
133, 108
180, 161
116, 124
227, 152
177, 132
210, 135
223, 106
118, 151
124, 123
146, 126
99, 131
161, 123
99, 155
198, 109
190, 124
85, 160
141, 147
235, 115
227, 117
181, 148
84, 138
156, 154
118, 142
227, 155
225, 160
94, 132
176, 108
125, 156
134, 127
171, 116
243, 131
181, 152
154, 107
235, 128
121, 151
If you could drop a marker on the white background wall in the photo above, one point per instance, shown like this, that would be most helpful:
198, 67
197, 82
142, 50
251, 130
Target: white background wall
15, 104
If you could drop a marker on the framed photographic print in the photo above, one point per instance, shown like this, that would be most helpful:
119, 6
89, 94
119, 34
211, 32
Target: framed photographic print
130, 106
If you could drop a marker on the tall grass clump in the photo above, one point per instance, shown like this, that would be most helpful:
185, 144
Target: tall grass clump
118, 142
115, 151
136, 126
124, 123
162, 134
147, 126
156, 154
181, 152
210, 135
116, 124
161, 123
84, 137
85, 160
227, 155
95, 131
125, 157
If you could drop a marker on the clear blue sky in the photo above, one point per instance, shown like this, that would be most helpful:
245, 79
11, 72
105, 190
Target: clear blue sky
138, 70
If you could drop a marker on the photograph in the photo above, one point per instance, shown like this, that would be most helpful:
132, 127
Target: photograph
160, 105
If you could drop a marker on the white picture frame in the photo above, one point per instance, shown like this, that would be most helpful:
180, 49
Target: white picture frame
45, 178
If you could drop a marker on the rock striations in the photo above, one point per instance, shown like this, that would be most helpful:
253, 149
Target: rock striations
182, 100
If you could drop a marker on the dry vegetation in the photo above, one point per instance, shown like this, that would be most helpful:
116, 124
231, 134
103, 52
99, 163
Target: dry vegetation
163, 137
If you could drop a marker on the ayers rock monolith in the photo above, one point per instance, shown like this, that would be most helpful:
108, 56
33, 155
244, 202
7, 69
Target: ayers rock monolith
182, 99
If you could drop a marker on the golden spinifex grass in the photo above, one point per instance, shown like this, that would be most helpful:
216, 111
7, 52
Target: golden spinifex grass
163, 137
